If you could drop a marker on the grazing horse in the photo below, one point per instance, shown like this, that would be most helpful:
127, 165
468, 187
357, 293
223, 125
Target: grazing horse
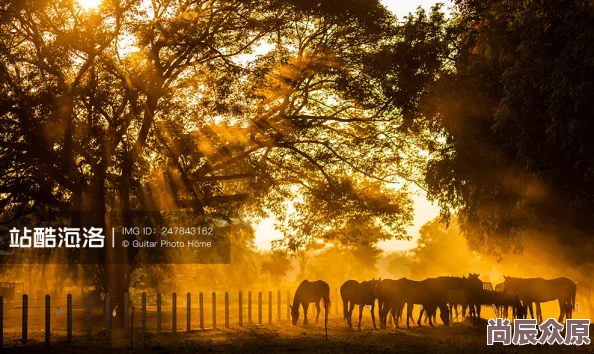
473, 291
355, 293
539, 290
424, 293
306, 293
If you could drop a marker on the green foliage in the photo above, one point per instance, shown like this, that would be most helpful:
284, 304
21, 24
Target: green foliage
514, 113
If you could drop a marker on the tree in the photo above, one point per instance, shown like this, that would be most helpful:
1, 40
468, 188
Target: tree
278, 266
137, 106
441, 251
514, 113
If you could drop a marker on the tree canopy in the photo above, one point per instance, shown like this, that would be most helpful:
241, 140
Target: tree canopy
514, 111
224, 108
238, 109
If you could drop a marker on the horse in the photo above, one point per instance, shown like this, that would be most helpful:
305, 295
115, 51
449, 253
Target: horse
502, 308
389, 301
473, 291
540, 290
427, 294
452, 289
306, 293
354, 293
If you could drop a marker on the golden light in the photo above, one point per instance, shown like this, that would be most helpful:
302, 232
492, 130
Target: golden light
89, 4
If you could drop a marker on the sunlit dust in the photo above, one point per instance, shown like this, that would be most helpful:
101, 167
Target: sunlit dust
89, 4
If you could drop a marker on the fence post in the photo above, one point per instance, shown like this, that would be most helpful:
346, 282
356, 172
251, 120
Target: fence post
249, 308
259, 307
126, 317
240, 309
69, 318
269, 307
47, 320
107, 319
288, 304
214, 310
89, 317
158, 313
201, 303
1, 321
189, 312
25, 317
174, 311
278, 305
143, 314
226, 310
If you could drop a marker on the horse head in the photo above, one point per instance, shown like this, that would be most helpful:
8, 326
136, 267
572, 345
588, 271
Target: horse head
294, 314
509, 284
375, 287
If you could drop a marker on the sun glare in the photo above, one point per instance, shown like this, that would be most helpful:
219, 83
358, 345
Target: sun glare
89, 4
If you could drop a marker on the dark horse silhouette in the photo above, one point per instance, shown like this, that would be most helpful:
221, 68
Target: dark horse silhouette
306, 293
473, 291
424, 293
388, 300
539, 290
355, 293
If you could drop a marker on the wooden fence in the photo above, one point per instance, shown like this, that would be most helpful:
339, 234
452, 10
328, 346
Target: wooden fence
128, 309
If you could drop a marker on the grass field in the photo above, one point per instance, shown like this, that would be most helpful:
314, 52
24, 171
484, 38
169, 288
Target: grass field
280, 337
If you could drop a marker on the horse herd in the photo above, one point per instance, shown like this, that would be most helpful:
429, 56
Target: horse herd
445, 293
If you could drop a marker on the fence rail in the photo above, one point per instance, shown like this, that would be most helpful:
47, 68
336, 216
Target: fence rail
49, 305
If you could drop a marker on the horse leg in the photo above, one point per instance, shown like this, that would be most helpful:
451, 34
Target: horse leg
561, 311
373, 315
381, 307
326, 310
451, 312
351, 308
318, 311
420, 316
360, 316
569, 309
538, 313
409, 307
430, 313
305, 307
394, 317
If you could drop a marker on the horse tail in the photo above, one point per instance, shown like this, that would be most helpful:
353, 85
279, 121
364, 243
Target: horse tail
573, 298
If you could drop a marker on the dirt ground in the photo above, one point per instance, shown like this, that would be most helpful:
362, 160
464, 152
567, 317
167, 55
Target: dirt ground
282, 337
